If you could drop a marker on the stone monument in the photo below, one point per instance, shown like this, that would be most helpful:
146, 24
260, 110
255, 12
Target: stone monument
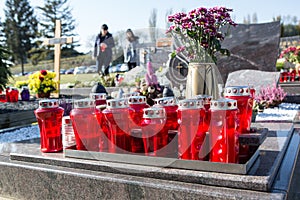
252, 46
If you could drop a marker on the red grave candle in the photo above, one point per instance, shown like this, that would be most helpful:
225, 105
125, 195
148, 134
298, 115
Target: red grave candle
206, 104
49, 116
170, 105
244, 103
154, 136
105, 138
99, 98
137, 103
7, 92
86, 128
224, 143
117, 114
190, 137
13, 95
242, 95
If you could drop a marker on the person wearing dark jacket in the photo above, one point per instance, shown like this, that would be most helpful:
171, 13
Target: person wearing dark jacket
103, 50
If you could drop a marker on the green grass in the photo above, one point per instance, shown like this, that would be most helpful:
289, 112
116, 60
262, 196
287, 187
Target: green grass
64, 78
66, 63
79, 80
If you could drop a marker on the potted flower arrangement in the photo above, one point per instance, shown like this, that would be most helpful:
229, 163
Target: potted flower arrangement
292, 56
197, 37
269, 97
42, 83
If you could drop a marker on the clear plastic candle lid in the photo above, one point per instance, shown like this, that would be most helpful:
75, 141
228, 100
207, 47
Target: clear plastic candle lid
116, 103
127, 95
166, 101
237, 91
137, 100
223, 104
84, 103
206, 98
98, 96
154, 112
190, 104
48, 103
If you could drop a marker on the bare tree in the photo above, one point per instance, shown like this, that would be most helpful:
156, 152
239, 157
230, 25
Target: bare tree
254, 18
152, 24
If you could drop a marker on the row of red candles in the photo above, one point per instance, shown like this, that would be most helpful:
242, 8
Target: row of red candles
12, 95
129, 125
288, 76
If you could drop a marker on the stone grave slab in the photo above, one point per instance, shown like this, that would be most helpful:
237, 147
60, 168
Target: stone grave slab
29, 174
254, 78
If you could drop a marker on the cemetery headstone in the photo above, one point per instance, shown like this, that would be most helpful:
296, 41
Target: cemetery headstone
252, 46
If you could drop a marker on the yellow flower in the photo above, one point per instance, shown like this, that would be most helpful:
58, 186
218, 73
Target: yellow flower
42, 81
20, 84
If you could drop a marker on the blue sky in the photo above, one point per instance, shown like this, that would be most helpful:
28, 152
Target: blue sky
123, 14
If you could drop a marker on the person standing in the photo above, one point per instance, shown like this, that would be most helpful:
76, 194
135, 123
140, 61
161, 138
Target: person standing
103, 50
130, 50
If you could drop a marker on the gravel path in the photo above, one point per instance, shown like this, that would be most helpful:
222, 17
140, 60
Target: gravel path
19, 134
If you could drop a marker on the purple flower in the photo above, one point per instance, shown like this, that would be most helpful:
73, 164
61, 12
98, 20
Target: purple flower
201, 27
180, 49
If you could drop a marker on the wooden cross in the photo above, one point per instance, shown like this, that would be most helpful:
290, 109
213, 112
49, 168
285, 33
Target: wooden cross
57, 41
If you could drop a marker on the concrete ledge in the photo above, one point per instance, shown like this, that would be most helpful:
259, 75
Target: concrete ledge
24, 181
19, 118
26, 173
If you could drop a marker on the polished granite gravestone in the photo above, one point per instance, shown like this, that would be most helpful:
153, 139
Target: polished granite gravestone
26, 173
252, 46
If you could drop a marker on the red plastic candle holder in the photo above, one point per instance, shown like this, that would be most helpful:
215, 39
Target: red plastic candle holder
13, 95
190, 135
137, 103
117, 114
86, 128
105, 138
170, 105
7, 92
206, 104
99, 98
154, 136
242, 95
224, 143
49, 116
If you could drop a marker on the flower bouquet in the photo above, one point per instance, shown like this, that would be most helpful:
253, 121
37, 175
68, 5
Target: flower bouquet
291, 54
42, 82
198, 34
197, 37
